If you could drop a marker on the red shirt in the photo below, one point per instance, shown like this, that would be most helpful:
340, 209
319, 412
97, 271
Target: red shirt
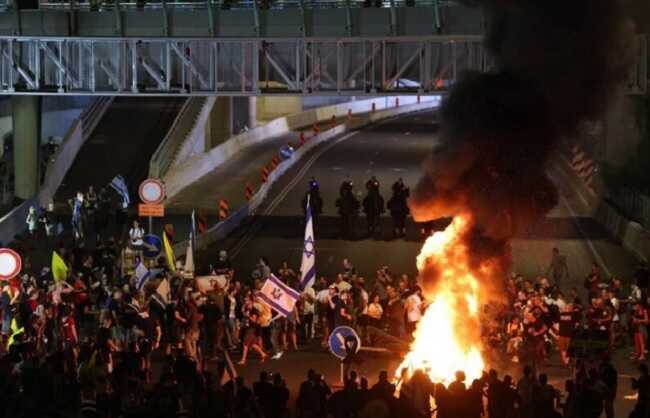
69, 329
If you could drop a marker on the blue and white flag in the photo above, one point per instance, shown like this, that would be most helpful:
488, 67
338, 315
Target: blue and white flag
278, 296
119, 185
308, 264
142, 275
193, 232
188, 269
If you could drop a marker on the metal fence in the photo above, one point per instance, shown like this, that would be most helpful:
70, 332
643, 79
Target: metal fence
208, 66
106, 5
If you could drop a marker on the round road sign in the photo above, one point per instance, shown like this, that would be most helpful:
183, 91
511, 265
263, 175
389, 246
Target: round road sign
152, 191
342, 340
152, 245
10, 264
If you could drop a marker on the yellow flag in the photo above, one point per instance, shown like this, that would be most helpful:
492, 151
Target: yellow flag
169, 253
59, 268
15, 331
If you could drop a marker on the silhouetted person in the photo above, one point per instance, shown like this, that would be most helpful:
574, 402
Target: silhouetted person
373, 207
383, 389
609, 376
398, 207
315, 202
348, 208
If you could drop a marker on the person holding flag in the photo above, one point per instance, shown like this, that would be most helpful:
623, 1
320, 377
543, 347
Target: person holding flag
119, 185
59, 268
142, 275
169, 253
188, 269
308, 264
77, 224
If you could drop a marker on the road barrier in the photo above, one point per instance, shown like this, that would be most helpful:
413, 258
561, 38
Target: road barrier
583, 166
265, 174
274, 162
224, 209
249, 191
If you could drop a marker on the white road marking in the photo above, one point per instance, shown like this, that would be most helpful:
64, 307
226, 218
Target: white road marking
292, 184
398, 170
336, 168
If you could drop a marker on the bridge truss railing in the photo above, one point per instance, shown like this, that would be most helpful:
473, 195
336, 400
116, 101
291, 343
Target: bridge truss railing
168, 66
231, 4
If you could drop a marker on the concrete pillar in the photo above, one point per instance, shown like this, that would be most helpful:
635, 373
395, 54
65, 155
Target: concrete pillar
220, 122
252, 112
26, 112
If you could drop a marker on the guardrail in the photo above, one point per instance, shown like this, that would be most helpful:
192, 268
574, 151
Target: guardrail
183, 125
13, 223
201, 5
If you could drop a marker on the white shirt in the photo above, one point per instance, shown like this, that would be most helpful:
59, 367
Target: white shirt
136, 235
308, 299
413, 303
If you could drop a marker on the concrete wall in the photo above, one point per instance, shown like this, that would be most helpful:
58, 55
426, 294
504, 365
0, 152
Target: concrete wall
269, 108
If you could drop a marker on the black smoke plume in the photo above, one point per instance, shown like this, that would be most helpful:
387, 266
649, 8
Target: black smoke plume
557, 63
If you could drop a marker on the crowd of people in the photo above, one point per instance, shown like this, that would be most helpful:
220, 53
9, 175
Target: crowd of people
87, 344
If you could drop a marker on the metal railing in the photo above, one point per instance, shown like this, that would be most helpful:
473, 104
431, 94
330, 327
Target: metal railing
106, 5
246, 66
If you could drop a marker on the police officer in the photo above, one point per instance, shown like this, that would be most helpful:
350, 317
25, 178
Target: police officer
315, 201
347, 185
398, 207
372, 183
373, 205
348, 208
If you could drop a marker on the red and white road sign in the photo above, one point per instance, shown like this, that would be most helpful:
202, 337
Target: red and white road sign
10, 264
152, 191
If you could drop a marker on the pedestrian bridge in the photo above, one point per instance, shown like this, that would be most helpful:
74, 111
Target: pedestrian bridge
244, 48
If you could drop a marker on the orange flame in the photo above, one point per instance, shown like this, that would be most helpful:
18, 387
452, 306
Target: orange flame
447, 338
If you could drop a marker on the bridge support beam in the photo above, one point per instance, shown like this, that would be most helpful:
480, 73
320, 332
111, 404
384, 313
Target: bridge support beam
26, 112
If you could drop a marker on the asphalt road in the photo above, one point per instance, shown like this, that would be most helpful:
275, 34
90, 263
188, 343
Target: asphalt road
390, 150
393, 149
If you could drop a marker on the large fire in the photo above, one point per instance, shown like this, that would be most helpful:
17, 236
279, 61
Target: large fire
447, 338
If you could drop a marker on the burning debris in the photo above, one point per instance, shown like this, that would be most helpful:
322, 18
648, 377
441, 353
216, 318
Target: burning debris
557, 65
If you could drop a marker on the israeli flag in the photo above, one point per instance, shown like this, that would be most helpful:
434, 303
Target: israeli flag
308, 264
119, 185
142, 275
278, 296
